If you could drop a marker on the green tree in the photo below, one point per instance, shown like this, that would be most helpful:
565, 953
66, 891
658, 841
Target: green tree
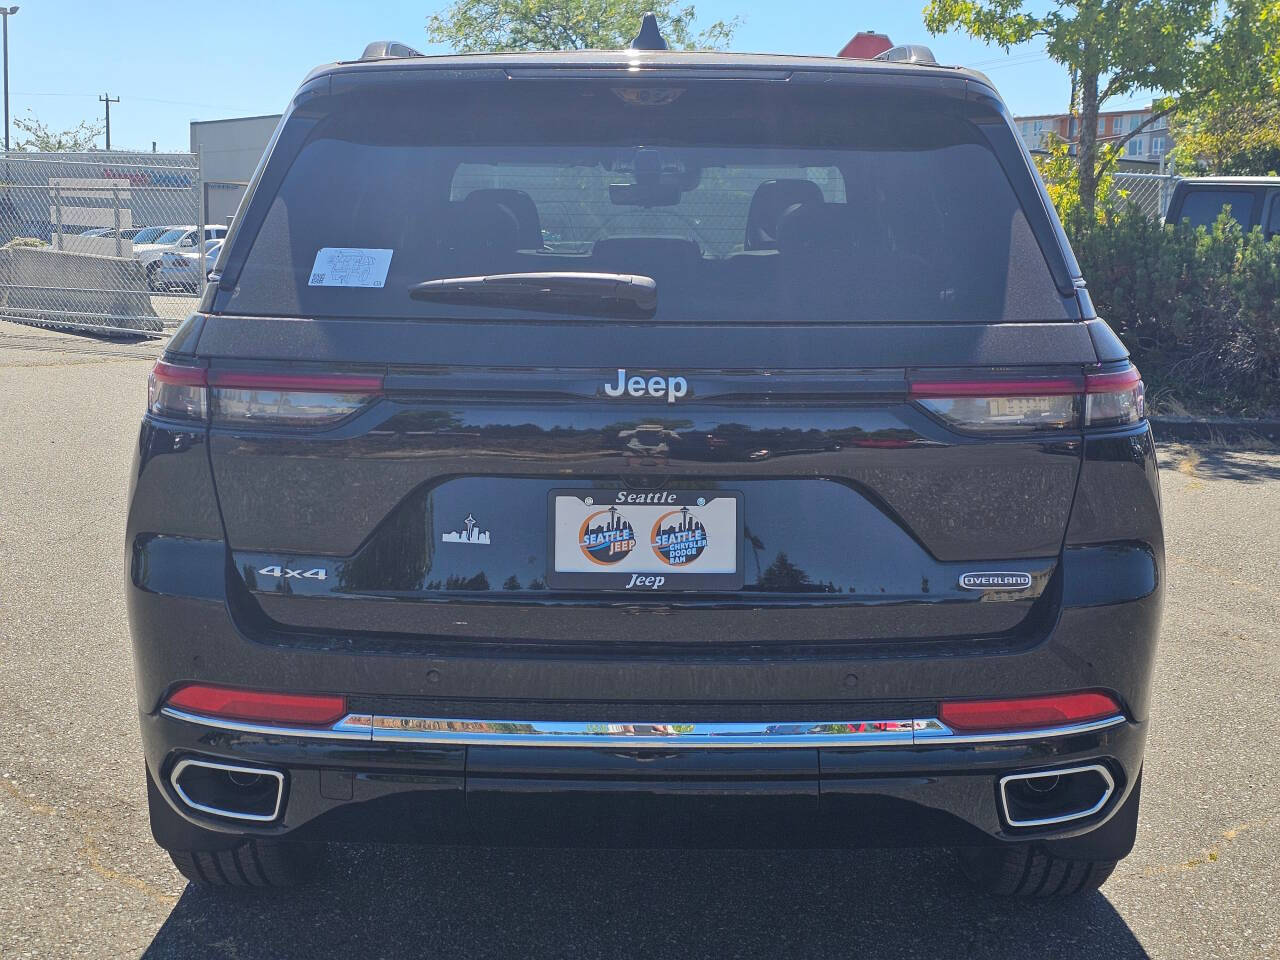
486, 25
1232, 126
39, 137
1228, 137
1181, 50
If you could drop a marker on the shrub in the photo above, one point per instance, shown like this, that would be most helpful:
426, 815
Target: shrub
25, 242
1198, 309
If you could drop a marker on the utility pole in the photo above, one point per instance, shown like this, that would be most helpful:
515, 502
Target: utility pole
6, 13
107, 100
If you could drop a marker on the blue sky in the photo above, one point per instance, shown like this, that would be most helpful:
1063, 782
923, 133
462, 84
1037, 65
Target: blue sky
171, 63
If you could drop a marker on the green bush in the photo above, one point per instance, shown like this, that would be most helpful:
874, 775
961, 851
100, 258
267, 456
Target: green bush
1199, 310
25, 242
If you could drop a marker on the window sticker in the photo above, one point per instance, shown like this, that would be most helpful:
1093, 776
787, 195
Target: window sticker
350, 267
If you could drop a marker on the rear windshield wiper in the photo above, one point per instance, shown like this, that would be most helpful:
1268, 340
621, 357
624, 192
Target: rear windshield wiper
599, 294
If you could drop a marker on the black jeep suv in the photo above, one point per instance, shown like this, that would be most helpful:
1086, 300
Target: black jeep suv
645, 448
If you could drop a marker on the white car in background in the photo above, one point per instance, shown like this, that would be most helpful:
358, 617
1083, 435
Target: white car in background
181, 271
179, 240
149, 234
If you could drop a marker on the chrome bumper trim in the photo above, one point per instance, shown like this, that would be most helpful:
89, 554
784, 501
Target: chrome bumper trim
679, 735
935, 731
552, 733
351, 727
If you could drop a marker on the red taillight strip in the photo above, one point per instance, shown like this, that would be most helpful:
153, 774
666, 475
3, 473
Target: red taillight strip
996, 388
306, 382
1026, 713
1112, 382
1091, 383
295, 709
181, 376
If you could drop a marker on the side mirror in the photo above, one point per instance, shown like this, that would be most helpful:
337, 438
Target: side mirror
188, 242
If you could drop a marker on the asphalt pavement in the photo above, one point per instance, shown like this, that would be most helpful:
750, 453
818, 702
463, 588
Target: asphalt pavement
80, 877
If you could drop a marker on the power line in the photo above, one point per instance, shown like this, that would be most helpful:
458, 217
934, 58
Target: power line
176, 103
1010, 59
1019, 63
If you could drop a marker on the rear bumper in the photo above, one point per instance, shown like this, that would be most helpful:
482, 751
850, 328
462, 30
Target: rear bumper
940, 791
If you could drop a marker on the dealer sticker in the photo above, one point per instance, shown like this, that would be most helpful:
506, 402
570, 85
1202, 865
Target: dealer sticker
350, 267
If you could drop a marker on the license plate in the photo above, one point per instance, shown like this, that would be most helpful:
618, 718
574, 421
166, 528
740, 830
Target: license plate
645, 540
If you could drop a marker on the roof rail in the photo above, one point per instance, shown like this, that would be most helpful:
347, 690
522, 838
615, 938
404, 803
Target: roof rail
908, 53
383, 49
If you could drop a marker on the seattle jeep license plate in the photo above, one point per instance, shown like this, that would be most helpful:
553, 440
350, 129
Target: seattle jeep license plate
645, 540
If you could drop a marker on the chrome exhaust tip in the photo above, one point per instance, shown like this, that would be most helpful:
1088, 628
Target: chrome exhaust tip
228, 790
1047, 797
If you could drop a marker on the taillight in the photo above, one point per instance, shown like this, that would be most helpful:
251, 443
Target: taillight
299, 709
177, 391
289, 399
1114, 399
1033, 405
252, 397
1027, 713
1002, 406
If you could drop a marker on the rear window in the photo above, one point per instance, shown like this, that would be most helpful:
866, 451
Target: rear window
1203, 207
744, 201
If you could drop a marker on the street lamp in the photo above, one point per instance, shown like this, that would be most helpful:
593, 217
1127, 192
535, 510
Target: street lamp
6, 13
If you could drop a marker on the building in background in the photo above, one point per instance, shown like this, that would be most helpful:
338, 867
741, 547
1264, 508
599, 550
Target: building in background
1150, 146
229, 152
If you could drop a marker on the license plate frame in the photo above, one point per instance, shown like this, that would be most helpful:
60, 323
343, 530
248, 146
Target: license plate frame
643, 568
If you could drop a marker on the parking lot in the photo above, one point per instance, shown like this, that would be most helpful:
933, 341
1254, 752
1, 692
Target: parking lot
79, 875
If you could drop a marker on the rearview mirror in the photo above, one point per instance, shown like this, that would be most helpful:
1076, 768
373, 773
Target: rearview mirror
644, 194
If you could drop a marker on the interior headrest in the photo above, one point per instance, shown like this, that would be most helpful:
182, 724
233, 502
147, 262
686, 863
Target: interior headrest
770, 200
522, 208
814, 228
482, 223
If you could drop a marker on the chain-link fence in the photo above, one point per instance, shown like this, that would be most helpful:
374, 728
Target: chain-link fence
1150, 192
111, 243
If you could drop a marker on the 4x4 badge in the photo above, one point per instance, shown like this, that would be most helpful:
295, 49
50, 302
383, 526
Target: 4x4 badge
471, 533
285, 573
995, 580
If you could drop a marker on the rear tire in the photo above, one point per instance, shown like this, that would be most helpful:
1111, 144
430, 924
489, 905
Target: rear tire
255, 863
1028, 870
